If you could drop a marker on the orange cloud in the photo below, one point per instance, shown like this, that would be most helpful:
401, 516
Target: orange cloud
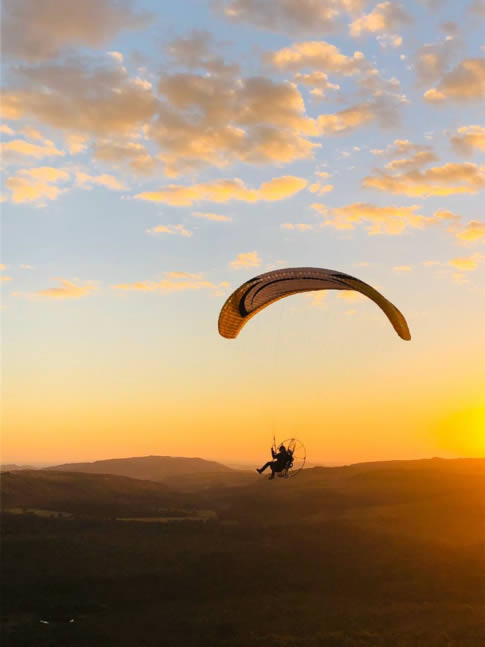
289, 16
350, 295
213, 120
36, 184
391, 220
78, 98
226, 190
170, 229
195, 51
174, 282
119, 151
468, 139
385, 17
319, 189
472, 232
463, 84
467, 263
249, 259
320, 55
432, 60
298, 226
318, 81
36, 31
108, 181
65, 290
211, 216
443, 180
418, 160
21, 147
76, 143
346, 120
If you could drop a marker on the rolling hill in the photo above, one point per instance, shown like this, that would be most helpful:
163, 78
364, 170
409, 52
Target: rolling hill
102, 495
150, 468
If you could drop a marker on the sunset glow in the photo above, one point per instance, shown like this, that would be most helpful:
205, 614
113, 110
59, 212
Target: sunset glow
155, 159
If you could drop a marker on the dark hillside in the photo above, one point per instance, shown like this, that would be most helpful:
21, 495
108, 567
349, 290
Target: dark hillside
91, 494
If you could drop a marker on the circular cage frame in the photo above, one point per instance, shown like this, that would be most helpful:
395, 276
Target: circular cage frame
299, 457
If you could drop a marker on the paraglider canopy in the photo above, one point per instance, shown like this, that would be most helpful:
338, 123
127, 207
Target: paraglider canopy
263, 290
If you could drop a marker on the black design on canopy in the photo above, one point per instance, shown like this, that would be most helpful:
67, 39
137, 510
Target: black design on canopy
263, 290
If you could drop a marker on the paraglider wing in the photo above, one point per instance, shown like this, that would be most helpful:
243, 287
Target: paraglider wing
263, 290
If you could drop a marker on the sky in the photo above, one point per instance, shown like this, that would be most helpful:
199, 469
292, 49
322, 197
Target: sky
157, 155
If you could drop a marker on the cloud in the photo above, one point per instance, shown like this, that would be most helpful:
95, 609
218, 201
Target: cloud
320, 189
318, 81
36, 184
194, 121
389, 40
317, 299
419, 159
289, 16
390, 220
468, 139
473, 231
226, 190
477, 7
36, 31
402, 268
385, 17
76, 143
170, 229
117, 56
4, 279
6, 129
195, 51
297, 226
118, 152
467, 263
80, 96
432, 59
17, 147
350, 295
249, 259
463, 84
346, 120
216, 217
443, 215
415, 155
87, 181
66, 289
174, 282
210, 120
318, 55
448, 179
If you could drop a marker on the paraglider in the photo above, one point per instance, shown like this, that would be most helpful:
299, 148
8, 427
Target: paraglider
263, 290
289, 459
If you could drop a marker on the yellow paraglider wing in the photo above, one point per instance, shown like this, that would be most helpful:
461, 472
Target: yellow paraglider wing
263, 290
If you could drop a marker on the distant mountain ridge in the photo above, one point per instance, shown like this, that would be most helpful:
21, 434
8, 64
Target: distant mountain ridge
12, 467
148, 468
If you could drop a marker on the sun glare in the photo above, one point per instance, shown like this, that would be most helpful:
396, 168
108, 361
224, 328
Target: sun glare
463, 431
